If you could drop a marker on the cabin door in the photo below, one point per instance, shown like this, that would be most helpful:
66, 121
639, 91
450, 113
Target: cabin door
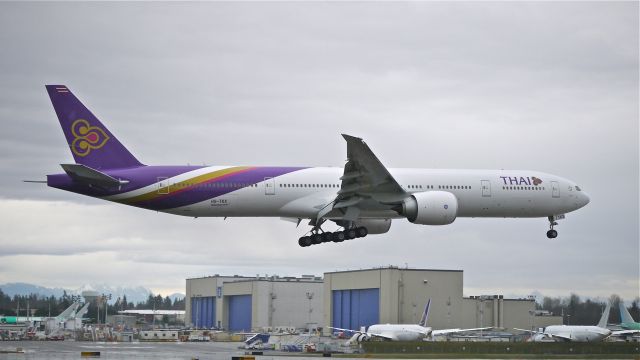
555, 189
486, 188
269, 186
163, 185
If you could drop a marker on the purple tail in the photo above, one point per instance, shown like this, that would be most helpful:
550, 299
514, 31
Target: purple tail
91, 143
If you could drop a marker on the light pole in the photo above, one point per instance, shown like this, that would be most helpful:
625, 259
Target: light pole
532, 313
482, 299
309, 297
154, 313
105, 298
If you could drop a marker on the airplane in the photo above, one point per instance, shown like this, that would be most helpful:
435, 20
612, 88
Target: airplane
579, 333
626, 321
362, 198
401, 332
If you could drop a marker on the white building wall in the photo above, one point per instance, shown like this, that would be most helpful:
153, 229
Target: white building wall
403, 294
205, 287
498, 312
292, 307
279, 302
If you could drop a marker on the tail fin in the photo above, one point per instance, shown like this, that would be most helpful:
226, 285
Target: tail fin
425, 314
605, 316
625, 317
91, 143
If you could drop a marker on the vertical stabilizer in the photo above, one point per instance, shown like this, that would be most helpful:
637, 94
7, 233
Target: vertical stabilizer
605, 316
425, 314
82, 312
68, 312
625, 317
90, 142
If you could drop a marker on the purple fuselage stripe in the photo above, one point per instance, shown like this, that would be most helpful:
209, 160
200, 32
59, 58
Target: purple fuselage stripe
144, 176
138, 177
201, 193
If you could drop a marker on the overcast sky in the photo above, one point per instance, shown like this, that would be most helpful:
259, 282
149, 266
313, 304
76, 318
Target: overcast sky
541, 86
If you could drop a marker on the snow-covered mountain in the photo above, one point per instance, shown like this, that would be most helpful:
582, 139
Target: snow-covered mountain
134, 294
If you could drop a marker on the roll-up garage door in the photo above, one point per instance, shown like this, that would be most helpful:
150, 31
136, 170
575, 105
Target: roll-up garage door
203, 312
240, 313
355, 308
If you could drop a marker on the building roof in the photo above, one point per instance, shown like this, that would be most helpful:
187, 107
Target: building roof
390, 268
239, 278
151, 312
221, 276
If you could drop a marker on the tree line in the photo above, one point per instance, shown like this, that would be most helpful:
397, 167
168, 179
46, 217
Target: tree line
576, 311
42, 306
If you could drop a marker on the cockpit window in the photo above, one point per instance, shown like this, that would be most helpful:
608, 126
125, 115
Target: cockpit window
578, 188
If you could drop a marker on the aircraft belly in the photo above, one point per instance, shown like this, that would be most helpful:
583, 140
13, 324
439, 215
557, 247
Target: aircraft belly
506, 205
250, 202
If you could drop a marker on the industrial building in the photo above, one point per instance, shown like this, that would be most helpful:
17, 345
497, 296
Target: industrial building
351, 300
498, 312
392, 295
238, 303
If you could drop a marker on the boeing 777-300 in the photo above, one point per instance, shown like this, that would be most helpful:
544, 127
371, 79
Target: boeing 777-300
363, 197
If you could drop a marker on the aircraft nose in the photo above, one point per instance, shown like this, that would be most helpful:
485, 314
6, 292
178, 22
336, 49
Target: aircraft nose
585, 199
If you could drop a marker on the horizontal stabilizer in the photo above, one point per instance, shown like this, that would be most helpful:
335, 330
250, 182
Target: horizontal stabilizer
86, 175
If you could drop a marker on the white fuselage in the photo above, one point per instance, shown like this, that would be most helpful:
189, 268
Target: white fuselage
400, 332
300, 194
577, 333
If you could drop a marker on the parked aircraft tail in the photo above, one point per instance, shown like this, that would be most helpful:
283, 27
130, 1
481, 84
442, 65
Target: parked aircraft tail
625, 317
91, 143
425, 314
605, 316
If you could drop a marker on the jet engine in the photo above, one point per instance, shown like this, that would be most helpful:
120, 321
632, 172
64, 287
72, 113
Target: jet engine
358, 338
430, 208
375, 226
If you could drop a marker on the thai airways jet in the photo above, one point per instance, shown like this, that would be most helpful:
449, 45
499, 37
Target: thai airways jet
401, 332
361, 198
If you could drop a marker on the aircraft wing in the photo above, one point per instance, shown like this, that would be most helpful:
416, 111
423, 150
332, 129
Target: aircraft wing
364, 177
562, 337
529, 331
384, 336
625, 332
453, 331
347, 330
368, 334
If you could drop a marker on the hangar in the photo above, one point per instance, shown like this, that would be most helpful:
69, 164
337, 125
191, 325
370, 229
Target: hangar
203, 301
351, 299
241, 304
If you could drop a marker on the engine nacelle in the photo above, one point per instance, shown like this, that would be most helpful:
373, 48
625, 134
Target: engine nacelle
430, 208
375, 226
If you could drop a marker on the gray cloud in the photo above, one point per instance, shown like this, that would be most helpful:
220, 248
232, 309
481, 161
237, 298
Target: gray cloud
544, 86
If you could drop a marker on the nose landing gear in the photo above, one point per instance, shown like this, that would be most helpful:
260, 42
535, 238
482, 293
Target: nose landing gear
552, 234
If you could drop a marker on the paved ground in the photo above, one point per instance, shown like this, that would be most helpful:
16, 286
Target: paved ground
142, 350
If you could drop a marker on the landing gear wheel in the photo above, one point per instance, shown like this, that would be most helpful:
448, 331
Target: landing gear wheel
351, 233
339, 236
316, 239
362, 231
304, 241
327, 237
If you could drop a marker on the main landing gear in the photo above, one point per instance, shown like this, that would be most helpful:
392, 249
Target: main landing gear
318, 236
552, 234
